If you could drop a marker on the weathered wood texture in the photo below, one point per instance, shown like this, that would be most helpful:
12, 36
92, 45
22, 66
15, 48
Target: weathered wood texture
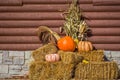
10, 2
20, 18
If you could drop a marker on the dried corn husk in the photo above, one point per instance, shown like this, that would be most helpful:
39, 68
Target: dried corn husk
75, 25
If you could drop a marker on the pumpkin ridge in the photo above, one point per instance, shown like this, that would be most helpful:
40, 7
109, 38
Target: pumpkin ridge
83, 46
87, 47
90, 46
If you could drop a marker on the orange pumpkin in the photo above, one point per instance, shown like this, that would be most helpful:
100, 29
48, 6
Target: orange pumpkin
85, 46
52, 57
66, 44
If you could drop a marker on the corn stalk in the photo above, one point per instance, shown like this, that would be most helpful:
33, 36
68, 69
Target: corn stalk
75, 25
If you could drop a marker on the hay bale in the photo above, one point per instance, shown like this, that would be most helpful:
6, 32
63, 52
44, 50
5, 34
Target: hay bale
70, 57
96, 55
32, 70
97, 71
50, 71
39, 54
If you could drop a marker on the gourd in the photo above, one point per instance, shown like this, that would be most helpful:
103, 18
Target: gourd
52, 57
66, 44
85, 46
46, 35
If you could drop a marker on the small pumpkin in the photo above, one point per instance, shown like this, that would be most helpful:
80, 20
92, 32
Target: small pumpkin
85, 46
66, 44
52, 57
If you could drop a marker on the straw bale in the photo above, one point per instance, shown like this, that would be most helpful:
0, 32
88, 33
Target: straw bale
96, 55
39, 54
96, 71
32, 70
70, 57
50, 71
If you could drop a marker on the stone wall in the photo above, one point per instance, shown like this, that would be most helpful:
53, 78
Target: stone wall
113, 56
16, 63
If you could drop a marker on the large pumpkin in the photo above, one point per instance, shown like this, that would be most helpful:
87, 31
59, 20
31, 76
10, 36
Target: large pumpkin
66, 44
52, 57
85, 46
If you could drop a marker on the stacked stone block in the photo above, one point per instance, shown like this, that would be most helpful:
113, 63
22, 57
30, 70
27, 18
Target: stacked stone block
14, 63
